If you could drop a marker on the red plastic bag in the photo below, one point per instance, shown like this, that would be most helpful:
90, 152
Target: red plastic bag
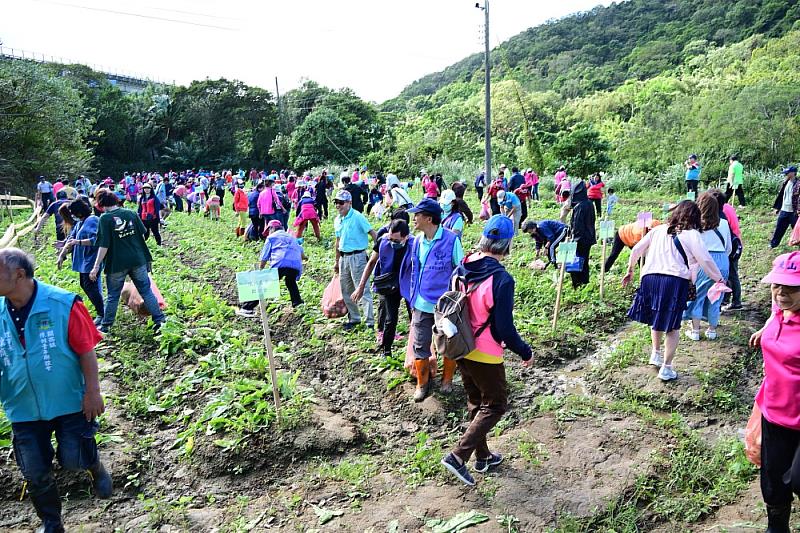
332, 301
752, 437
131, 297
794, 240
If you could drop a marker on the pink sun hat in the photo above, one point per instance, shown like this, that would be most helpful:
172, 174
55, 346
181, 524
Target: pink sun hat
785, 270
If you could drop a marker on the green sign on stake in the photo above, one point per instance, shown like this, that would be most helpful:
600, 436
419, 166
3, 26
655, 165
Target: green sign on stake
258, 284
607, 229
566, 252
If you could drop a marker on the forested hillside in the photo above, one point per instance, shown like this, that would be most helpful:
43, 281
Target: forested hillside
602, 48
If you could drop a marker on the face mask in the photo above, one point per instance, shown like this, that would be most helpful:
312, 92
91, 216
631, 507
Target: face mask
447, 208
397, 245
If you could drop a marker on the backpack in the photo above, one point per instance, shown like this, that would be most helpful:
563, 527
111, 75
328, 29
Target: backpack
452, 333
736, 245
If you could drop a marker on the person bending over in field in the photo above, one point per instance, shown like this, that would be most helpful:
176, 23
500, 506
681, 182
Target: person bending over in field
548, 234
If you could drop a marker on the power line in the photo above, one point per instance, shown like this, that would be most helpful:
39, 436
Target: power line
137, 15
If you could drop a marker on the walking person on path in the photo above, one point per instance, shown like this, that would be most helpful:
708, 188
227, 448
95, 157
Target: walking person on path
83, 246
779, 341
49, 384
149, 209
672, 251
435, 253
45, 190
787, 205
121, 244
482, 370
353, 231
692, 174
716, 235
480, 183
731, 301
321, 200
735, 181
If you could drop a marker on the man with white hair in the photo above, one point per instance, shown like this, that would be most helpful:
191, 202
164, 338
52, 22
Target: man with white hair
48, 383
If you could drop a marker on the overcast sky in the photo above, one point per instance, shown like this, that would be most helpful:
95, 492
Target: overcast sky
375, 47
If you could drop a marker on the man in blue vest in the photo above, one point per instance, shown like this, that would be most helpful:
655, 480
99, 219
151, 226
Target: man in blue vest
435, 253
48, 383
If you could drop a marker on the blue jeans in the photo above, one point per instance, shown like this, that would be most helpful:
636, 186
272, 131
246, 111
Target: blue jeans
535, 191
141, 280
784, 222
34, 453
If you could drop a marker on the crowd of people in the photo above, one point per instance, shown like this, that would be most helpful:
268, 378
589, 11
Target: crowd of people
416, 260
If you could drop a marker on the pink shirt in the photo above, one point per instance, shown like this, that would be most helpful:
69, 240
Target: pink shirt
479, 303
779, 395
560, 175
663, 257
431, 190
57, 187
266, 201
531, 178
733, 220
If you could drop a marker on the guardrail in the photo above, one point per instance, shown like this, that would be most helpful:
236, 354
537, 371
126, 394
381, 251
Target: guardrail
8, 204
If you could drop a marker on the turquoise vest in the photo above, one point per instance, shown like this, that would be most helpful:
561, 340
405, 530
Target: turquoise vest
44, 379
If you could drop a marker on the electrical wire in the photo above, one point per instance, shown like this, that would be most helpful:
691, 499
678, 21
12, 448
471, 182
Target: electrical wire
137, 15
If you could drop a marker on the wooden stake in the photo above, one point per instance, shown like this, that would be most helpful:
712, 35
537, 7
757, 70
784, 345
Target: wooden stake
262, 304
603, 269
558, 292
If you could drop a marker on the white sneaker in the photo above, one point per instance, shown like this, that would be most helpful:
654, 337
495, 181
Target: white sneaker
667, 373
711, 334
693, 334
247, 313
656, 358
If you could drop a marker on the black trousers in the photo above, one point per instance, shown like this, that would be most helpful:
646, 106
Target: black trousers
739, 194
494, 205
598, 205
616, 249
258, 225
582, 277
93, 292
322, 208
524, 212
151, 226
221, 194
780, 463
691, 186
479, 190
289, 276
391, 314
47, 199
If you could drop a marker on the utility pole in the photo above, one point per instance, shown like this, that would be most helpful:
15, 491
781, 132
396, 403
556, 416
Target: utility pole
278, 100
488, 83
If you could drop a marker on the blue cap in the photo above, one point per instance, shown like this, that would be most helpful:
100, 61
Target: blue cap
789, 170
499, 227
428, 205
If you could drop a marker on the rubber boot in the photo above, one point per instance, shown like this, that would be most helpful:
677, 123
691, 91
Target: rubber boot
448, 371
423, 380
101, 481
48, 508
778, 518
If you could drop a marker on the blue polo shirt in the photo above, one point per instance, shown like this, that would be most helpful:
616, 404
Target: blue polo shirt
352, 230
425, 246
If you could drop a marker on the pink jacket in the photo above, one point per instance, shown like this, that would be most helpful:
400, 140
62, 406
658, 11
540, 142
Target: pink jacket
267, 201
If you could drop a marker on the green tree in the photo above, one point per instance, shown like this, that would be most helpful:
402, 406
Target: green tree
582, 150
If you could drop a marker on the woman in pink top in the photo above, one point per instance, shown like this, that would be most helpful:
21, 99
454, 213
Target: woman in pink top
674, 250
490, 307
431, 189
779, 395
735, 296
532, 179
558, 178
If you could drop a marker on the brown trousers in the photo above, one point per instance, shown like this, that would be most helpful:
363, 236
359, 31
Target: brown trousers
487, 401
